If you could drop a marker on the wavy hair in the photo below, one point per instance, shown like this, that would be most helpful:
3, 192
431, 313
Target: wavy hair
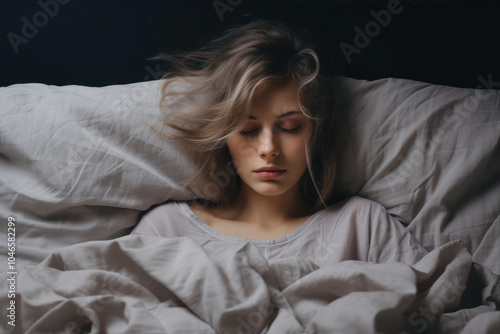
215, 84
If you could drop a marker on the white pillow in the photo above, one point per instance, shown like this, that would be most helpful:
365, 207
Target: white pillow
81, 163
431, 155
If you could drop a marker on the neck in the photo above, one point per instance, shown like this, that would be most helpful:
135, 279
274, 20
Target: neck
270, 210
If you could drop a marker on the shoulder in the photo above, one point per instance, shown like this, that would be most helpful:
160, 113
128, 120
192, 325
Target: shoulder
162, 220
363, 203
372, 225
204, 212
355, 205
158, 214
210, 213
162, 209
357, 214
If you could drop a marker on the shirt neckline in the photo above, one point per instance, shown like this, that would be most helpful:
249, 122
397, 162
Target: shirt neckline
259, 242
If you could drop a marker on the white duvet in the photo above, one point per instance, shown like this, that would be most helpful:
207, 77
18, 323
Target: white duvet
138, 284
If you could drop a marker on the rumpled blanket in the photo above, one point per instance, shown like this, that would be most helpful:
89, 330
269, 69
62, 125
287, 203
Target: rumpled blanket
139, 284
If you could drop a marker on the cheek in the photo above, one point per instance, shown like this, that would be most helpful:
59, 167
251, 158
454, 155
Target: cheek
296, 152
296, 148
240, 149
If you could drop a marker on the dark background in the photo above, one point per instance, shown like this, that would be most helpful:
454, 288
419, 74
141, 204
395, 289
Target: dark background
104, 42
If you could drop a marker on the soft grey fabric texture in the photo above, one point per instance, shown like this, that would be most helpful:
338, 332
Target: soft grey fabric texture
431, 156
351, 229
80, 163
143, 284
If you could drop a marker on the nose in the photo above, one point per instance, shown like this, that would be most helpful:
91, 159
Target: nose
268, 148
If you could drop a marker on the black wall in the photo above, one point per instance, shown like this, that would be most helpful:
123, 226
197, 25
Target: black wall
97, 43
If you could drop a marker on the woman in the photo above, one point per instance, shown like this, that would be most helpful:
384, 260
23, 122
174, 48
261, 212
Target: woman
261, 119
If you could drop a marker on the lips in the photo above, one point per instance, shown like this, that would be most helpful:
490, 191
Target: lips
270, 172
269, 169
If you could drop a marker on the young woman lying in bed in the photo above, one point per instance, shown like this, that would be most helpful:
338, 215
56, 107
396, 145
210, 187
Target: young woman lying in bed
262, 121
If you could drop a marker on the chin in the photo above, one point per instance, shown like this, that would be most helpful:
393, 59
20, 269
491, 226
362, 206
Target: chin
272, 190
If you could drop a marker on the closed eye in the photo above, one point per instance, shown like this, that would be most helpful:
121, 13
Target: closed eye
290, 130
249, 132
277, 129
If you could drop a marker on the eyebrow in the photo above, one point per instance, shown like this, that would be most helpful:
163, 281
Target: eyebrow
286, 114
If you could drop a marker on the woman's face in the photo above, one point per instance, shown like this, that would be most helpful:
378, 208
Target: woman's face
274, 136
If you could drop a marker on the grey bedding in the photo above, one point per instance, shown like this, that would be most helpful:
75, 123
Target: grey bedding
80, 164
138, 284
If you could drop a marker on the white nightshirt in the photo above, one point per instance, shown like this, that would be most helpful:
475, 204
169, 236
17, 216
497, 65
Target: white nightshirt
351, 229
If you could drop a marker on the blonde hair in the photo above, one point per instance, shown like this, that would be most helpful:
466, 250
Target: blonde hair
219, 82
